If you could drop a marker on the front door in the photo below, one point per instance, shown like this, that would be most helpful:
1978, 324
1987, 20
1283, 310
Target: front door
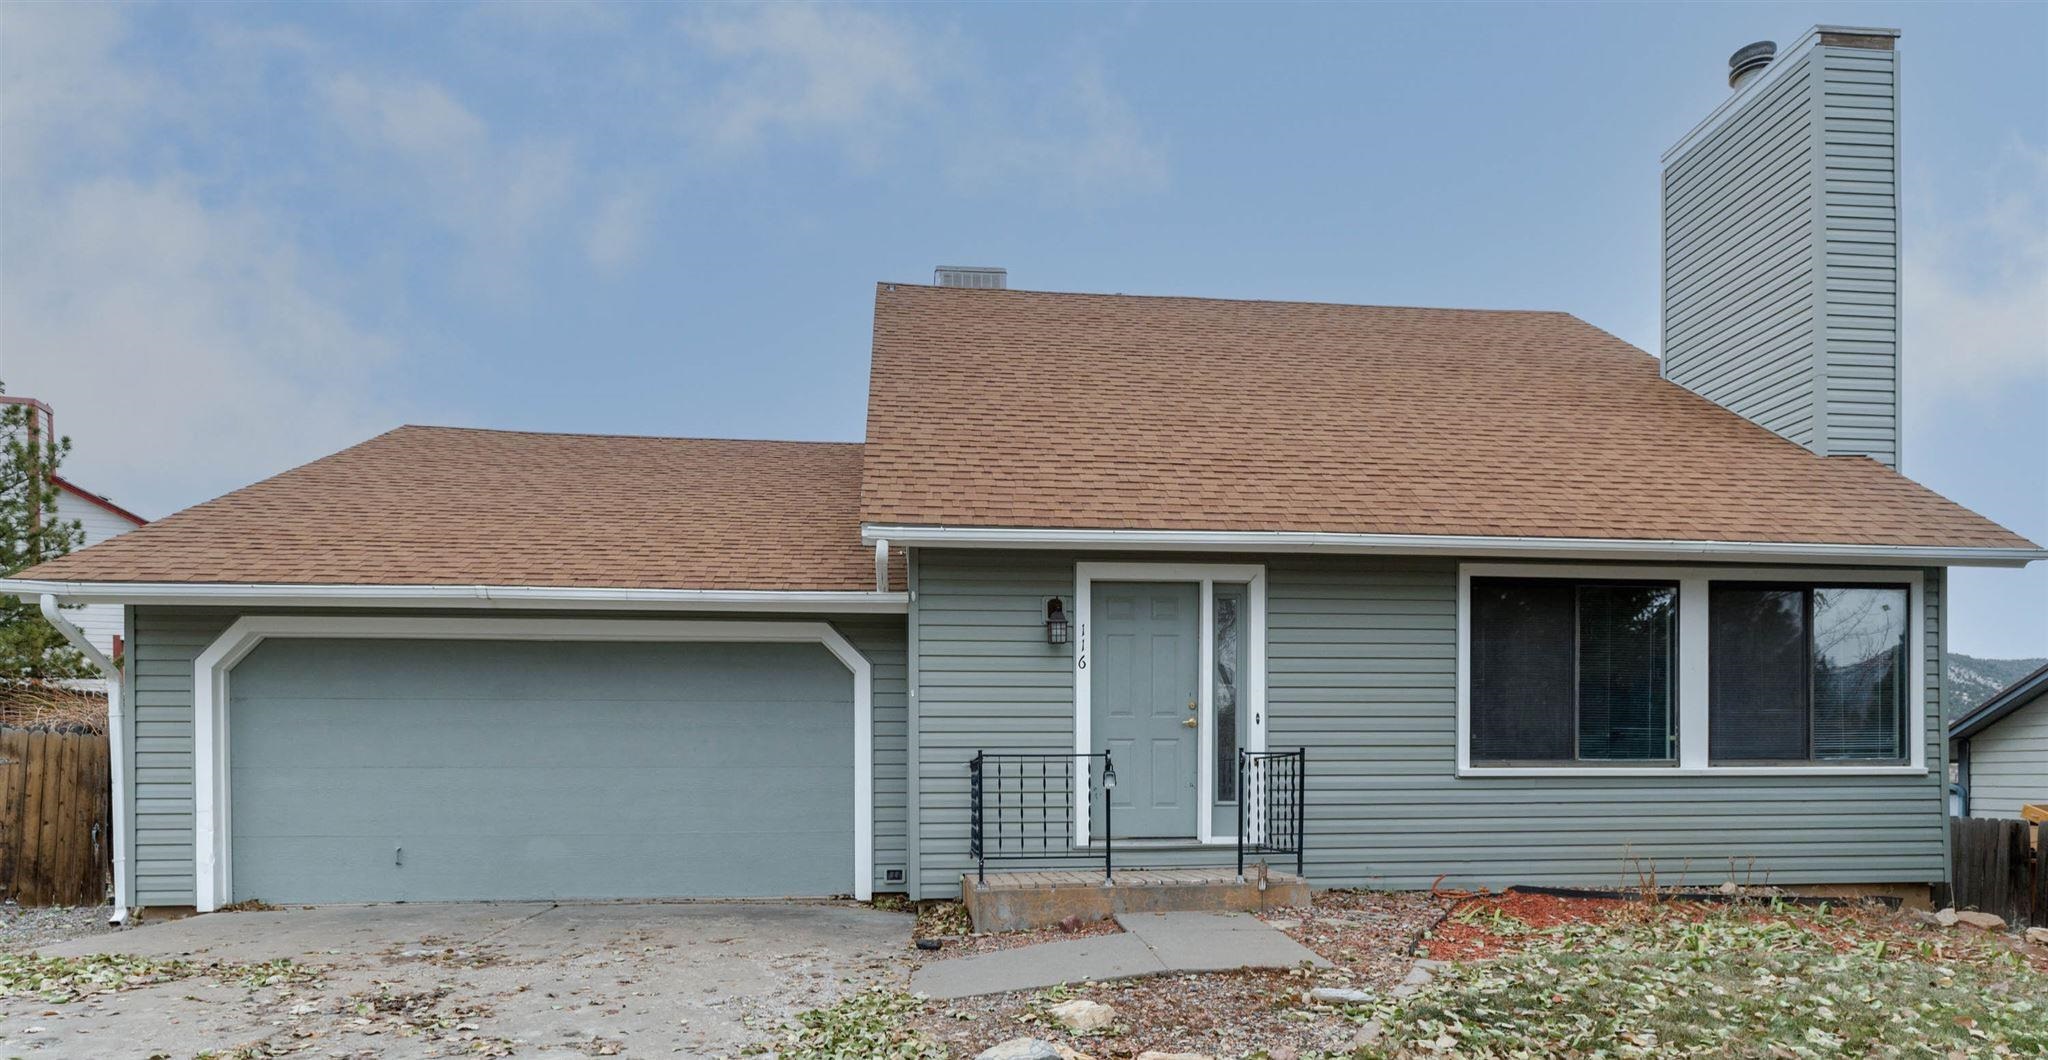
1145, 703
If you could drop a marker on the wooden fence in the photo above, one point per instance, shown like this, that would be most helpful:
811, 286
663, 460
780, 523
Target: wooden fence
56, 818
1999, 867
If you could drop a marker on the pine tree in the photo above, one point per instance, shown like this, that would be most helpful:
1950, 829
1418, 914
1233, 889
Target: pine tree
30, 648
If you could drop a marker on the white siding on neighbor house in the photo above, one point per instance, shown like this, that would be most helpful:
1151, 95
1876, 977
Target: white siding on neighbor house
101, 622
1781, 255
1362, 671
168, 640
2009, 763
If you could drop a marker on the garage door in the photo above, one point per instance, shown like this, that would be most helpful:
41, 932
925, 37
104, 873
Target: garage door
385, 770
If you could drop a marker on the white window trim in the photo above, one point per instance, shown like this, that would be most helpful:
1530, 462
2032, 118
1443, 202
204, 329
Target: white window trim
1693, 585
1206, 575
213, 855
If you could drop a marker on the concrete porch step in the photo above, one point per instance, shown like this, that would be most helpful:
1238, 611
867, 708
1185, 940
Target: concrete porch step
1028, 900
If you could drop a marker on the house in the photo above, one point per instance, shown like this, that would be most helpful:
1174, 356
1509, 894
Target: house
99, 519
1532, 605
2001, 750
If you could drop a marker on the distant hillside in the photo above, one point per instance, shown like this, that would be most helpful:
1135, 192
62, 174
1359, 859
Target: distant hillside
1972, 680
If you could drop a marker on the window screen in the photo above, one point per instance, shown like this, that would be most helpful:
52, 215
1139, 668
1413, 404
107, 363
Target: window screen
1807, 673
1571, 671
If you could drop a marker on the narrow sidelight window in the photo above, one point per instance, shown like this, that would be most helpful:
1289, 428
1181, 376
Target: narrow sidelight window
1807, 673
1572, 671
1228, 691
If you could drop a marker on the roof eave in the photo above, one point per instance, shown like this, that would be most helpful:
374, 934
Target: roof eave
509, 597
2009, 699
1445, 545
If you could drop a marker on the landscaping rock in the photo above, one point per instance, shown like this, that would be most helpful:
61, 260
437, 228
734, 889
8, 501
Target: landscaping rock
1334, 995
2038, 936
1152, 1055
1082, 1016
1368, 1034
1284, 925
1021, 1049
1068, 1052
1987, 921
1730, 887
1947, 917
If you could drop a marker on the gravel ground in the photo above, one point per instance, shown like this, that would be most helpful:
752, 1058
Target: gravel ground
25, 929
1368, 935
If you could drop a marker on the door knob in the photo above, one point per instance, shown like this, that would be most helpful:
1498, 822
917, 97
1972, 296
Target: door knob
1190, 722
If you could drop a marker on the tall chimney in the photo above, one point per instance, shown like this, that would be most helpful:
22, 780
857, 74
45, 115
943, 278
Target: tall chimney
1781, 248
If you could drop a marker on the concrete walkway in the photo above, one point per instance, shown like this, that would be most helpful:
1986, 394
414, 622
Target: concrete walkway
1152, 944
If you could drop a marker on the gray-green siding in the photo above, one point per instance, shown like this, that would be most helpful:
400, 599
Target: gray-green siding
1362, 672
1781, 294
2009, 763
165, 642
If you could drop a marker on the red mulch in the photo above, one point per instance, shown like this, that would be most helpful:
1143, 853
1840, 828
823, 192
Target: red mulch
1467, 934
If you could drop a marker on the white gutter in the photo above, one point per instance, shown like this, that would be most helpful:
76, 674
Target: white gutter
1449, 545
117, 748
511, 597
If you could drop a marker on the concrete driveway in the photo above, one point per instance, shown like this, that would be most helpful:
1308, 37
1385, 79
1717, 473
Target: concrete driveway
524, 979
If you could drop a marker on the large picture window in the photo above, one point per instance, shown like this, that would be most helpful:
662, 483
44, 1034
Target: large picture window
1807, 673
1572, 671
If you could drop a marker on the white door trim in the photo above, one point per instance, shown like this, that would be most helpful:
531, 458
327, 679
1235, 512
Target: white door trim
212, 854
1205, 575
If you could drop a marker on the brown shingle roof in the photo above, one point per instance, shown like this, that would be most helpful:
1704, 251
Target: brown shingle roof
428, 505
1032, 409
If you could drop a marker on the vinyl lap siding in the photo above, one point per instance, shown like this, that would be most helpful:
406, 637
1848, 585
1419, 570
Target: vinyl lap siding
2009, 763
1859, 131
1738, 263
167, 641
1362, 672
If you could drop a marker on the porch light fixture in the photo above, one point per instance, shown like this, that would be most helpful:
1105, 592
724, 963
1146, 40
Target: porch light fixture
1108, 774
1055, 621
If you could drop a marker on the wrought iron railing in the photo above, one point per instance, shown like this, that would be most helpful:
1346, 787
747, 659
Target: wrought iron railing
1022, 808
1272, 795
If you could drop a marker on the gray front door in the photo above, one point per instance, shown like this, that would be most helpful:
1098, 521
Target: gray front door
1144, 703
436, 770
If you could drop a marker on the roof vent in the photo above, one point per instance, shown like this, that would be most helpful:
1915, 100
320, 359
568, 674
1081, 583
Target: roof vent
980, 277
1749, 61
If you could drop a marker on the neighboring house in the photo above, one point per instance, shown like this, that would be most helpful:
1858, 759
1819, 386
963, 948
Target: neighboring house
2001, 750
1532, 608
100, 519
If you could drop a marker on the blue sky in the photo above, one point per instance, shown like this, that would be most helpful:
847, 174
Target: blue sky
236, 237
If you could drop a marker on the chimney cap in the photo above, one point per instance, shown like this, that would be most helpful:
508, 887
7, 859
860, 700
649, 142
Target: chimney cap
1749, 59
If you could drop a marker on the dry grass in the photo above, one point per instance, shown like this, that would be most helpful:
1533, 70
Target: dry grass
51, 707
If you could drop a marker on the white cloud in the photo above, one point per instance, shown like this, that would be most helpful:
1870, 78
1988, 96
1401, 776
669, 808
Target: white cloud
879, 86
1085, 142
60, 85
184, 345
617, 232
496, 197
1976, 286
188, 342
812, 69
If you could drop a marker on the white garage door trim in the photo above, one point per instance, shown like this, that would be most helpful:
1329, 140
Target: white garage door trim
212, 856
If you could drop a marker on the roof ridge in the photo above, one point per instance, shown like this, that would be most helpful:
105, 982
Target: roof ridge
609, 435
892, 284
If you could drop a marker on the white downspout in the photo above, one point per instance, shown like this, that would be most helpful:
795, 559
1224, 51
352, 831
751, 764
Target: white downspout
117, 748
882, 565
